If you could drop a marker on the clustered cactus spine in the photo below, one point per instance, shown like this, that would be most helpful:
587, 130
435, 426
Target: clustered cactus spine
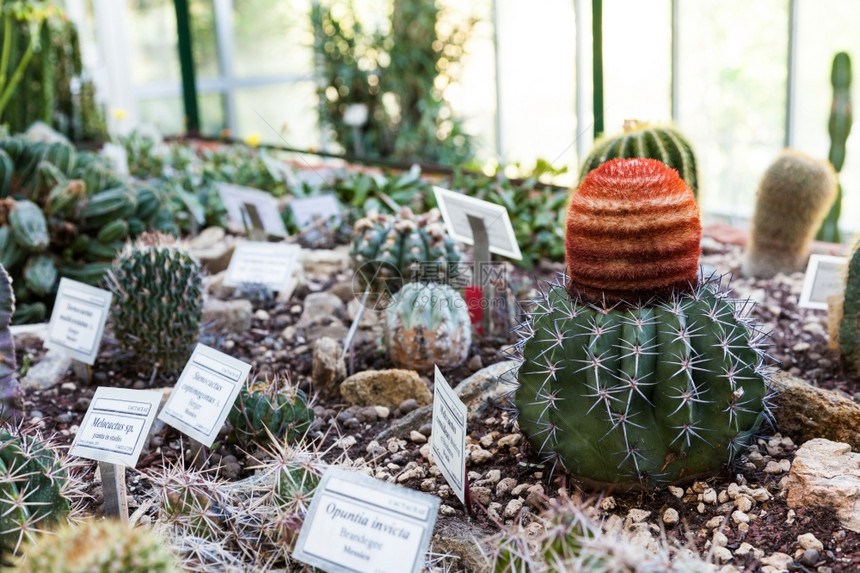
641, 381
158, 301
640, 139
270, 409
839, 127
36, 489
11, 397
793, 197
427, 324
389, 251
99, 547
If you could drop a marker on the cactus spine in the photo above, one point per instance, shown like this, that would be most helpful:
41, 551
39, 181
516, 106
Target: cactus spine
793, 197
427, 324
158, 301
99, 547
639, 139
634, 383
11, 397
839, 127
266, 410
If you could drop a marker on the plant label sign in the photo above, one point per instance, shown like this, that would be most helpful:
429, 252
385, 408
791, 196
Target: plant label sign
116, 425
448, 437
204, 394
78, 320
240, 201
357, 524
457, 209
272, 264
825, 276
308, 210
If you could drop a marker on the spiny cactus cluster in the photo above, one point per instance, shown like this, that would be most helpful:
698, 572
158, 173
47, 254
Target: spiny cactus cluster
11, 396
793, 197
640, 139
99, 547
427, 324
634, 374
158, 301
268, 409
65, 213
390, 251
571, 539
38, 489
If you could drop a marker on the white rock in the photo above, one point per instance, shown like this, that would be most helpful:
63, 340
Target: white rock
417, 437
513, 508
773, 467
709, 496
607, 503
722, 555
809, 541
637, 515
720, 539
778, 560
676, 491
827, 474
740, 517
671, 517
743, 503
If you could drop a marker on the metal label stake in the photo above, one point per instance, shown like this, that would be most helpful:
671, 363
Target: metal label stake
83, 371
353, 328
256, 230
113, 491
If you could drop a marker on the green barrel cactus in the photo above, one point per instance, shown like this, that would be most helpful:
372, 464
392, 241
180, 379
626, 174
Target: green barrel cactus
793, 197
11, 396
844, 316
839, 127
635, 373
100, 547
268, 410
34, 489
640, 139
158, 301
427, 324
389, 251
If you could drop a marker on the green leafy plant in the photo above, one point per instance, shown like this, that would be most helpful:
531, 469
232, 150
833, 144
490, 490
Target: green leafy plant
839, 127
158, 301
635, 373
793, 197
99, 547
398, 74
427, 324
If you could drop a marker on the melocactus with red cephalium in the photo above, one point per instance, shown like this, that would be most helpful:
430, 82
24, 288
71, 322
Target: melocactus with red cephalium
636, 374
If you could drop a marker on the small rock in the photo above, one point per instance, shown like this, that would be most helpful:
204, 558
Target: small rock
510, 440
505, 485
407, 406
709, 496
719, 539
447, 510
261, 314
740, 517
810, 557
779, 561
382, 412
426, 429
671, 517
675, 490
513, 508
636, 515
233, 316
721, 554
47, 372
479, 455
743, 503
389, 388
480, 494
493, 476
809, 541
475, 363
417, 437
607, 503
328, 368
773, 467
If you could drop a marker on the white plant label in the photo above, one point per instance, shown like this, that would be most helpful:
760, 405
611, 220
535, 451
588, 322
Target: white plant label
236, 199
78, 320
825, 276
306, 210
456, 208
204, 394
448, 437
272, 264
357, 524
116, 425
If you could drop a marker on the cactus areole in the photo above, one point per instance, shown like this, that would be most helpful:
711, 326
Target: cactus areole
634, 373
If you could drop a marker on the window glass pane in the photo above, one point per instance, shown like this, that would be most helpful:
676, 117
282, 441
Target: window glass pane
211, 109
205, 45
825, 28
732, 59
537, 54
637, 62
152, 41
272, 38
280, 114
166, 114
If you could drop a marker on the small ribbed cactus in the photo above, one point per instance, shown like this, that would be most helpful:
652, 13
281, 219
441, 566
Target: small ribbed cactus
640, 139
99, 547
839, 128
845, 316
275, 408
793, 197
390, 251
634, 374
427, 324
11, 397
35, 489
158, 301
